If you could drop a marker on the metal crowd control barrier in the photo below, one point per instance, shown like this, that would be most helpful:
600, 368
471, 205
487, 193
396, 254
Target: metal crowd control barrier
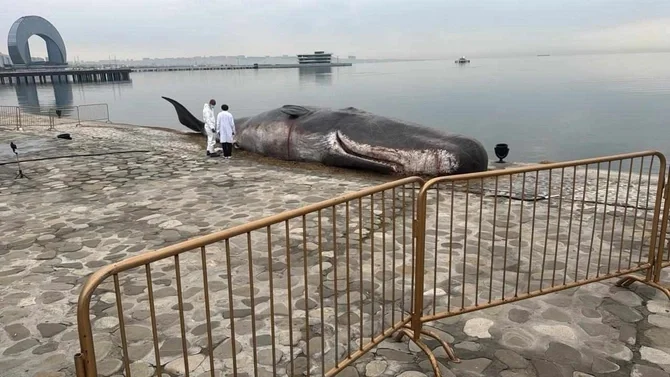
496, 237
36, 117
307, 291
93, 112
10, 117
17, 117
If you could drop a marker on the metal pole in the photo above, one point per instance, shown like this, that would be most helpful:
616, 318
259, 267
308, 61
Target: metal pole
419, 234
79, 368
658, 263
51, 120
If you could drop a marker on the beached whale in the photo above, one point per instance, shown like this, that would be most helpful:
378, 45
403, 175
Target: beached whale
352, 138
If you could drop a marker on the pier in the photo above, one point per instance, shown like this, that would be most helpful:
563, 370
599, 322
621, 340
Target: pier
43, 76
233, 67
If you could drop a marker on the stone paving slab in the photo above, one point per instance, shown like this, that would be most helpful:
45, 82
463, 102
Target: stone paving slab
77, 214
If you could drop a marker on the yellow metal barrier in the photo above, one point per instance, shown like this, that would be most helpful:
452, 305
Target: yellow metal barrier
307, 291
496, 237
311, 290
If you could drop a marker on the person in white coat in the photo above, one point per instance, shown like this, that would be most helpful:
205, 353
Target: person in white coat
225, 124
210, 126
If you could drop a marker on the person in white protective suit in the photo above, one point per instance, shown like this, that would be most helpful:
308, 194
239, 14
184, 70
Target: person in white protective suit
226, 126
210, 126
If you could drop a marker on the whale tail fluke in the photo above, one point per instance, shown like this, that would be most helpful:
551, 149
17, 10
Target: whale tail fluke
186, 118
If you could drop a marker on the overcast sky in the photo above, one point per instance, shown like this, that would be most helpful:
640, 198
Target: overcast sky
365, 28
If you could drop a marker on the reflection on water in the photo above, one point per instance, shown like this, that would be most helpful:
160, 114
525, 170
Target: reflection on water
318, 75
63, 95
29, 99
41, 98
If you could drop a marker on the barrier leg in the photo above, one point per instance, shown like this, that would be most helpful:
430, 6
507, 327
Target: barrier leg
445, 345
416, 338
79, 369
628, 280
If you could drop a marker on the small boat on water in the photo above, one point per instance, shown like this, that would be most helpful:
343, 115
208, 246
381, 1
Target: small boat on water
462, 60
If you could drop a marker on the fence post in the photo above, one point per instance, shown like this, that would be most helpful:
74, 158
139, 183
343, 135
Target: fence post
52, 121
658, 262
18, 118
419, 230
107, 112
78, 118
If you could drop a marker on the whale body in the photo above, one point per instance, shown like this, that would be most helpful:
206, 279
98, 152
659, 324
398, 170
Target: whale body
352, 138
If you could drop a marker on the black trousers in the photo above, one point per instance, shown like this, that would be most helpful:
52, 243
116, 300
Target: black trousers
227, 149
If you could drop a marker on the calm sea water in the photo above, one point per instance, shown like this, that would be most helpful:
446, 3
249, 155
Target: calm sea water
546, 108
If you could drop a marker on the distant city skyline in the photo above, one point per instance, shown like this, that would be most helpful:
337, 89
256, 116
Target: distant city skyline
371, 29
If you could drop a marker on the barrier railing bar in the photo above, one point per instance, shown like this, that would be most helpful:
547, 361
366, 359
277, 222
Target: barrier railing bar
572, 211
230, 306
205, 283
654, 228
360, 265
272, 303
304, 264
290, 289
532, 232
479, 243
493, 242
348, 293
154, 327
518, 265
661, 262
122, 327
395, 251
180, 303
558, 229
323, 325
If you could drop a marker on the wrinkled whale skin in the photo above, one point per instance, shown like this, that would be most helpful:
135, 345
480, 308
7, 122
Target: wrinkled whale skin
353, 138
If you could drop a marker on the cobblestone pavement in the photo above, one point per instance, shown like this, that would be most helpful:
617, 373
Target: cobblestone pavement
142, 189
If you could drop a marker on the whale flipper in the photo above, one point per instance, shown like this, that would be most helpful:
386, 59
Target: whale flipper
186, 118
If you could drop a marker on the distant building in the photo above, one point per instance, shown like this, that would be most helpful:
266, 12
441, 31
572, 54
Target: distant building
5, 61
318, 57
353, 57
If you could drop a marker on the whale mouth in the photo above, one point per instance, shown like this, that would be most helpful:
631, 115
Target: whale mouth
357, 150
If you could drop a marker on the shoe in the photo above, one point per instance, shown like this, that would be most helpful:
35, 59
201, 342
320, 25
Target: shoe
208, 154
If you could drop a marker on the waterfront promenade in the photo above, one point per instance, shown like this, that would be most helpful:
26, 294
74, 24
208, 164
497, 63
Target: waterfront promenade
76, 214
